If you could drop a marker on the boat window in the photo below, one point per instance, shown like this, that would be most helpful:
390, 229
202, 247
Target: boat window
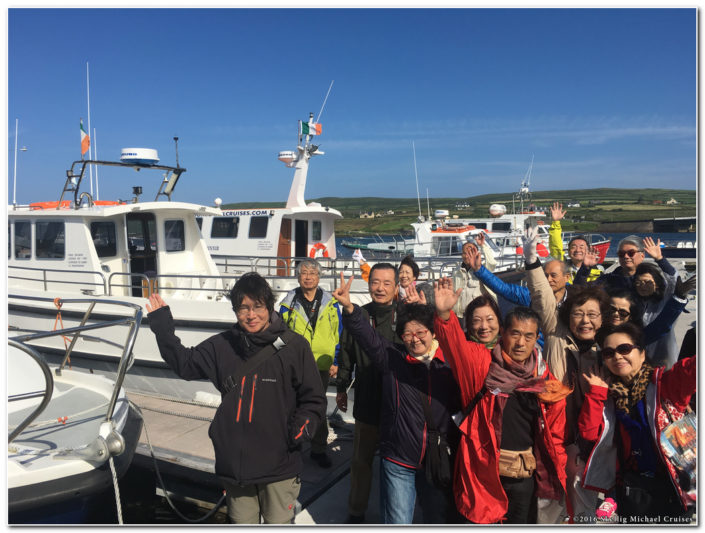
104, 238
501, 226
316, 230
225, 227
174, 235
258, 227
49, 240
199, 221
23, 239
480, 225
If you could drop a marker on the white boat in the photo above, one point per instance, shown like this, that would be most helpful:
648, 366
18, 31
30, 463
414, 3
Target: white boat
116, 249
72, 434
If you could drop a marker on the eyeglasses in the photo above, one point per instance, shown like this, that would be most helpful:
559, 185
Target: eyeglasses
421, 335
643, 282
309, 273
244, 310
622, 349
629, 253
623, 313
580, 315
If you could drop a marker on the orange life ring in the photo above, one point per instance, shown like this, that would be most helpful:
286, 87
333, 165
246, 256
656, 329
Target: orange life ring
316, 247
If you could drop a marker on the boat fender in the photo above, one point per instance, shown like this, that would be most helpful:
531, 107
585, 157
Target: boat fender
319, 246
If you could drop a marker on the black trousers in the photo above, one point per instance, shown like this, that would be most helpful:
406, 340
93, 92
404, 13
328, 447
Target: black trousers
522, 503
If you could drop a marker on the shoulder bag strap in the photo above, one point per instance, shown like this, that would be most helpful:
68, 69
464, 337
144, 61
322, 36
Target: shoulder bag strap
253, 362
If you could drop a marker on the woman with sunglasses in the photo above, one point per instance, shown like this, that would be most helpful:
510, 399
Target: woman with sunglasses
413, 373
628, 405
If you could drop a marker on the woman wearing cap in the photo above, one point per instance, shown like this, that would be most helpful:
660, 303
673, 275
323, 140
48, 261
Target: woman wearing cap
628, 405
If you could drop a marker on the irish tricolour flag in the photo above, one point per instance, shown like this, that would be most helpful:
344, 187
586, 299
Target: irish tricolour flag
310, 128
85, 140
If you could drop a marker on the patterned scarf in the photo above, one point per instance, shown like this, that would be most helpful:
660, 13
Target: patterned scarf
628, 395
507, 375
488, 345
426, 358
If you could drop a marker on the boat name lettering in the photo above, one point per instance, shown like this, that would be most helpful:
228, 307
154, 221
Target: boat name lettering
213, 248
249, 212
76, 259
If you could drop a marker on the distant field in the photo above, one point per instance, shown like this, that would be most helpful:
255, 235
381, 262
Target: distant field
597, 206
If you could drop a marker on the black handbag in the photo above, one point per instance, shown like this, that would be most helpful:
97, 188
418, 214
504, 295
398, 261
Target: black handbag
438, 458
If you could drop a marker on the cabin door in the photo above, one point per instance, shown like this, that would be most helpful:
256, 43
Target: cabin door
284, 248
142, 247
301, 236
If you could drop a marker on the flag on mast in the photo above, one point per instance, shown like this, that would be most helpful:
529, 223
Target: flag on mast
85, 140
310, 128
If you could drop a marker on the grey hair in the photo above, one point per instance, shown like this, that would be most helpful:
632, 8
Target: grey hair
564, 265
634, 240
309, 263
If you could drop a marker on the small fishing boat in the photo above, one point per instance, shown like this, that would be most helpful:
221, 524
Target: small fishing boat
72, 434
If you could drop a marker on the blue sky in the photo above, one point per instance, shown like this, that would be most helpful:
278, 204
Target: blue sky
600, 97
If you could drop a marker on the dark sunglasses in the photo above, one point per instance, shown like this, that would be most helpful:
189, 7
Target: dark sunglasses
623, 313
630, 253
622, 349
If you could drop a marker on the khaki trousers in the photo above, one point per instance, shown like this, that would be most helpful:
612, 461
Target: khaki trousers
275, 502
364, 446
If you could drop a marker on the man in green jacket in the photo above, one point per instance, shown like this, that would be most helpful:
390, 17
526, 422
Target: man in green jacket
578, 247
314, 313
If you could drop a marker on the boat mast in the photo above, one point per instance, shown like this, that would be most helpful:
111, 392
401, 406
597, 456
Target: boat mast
88, 100
418, 198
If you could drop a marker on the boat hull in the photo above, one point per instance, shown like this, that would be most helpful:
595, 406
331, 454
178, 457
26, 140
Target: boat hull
74, 499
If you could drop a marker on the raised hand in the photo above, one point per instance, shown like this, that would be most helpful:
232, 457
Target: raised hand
475, 257
413, 296
653, 249
342, 294
557, 212
155, 302
683, 288
530, 240
445, 297
592, 257
480, 239
598, 376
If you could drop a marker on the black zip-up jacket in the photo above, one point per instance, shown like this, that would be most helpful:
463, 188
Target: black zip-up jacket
260, 424
353, 359
403, 429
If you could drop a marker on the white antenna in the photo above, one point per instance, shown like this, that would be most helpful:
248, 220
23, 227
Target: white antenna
428, 205
95, 152
324, 101
417, 177
88, 99
14, 179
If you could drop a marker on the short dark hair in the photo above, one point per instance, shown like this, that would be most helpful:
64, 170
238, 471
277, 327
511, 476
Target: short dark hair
635, 307
579, 296
256, 287
650, 268
631, 330
579, 238
521, 313
481, 301
419, 312
385, 266
409, 261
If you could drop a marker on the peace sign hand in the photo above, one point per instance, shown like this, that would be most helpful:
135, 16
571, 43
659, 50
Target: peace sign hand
342, 294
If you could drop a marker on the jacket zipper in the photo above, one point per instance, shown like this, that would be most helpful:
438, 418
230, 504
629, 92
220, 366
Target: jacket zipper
252, 397
239, 402
425, 425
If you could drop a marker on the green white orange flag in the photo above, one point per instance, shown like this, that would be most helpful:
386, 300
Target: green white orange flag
310, 128
85, 140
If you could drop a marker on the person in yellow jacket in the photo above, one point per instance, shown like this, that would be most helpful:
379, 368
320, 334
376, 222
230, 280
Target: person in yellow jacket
315, 314
578, 247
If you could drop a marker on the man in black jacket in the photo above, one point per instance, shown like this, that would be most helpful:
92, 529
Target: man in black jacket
272, 399
381, 313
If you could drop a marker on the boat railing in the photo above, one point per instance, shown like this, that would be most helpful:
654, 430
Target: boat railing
203, 285
48, 277
132, 321
46, 394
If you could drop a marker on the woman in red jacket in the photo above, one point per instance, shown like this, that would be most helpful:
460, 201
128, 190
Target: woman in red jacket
499, 474
628, 406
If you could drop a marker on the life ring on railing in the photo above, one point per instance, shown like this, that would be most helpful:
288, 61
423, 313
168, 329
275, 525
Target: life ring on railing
541, 250
319, 246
